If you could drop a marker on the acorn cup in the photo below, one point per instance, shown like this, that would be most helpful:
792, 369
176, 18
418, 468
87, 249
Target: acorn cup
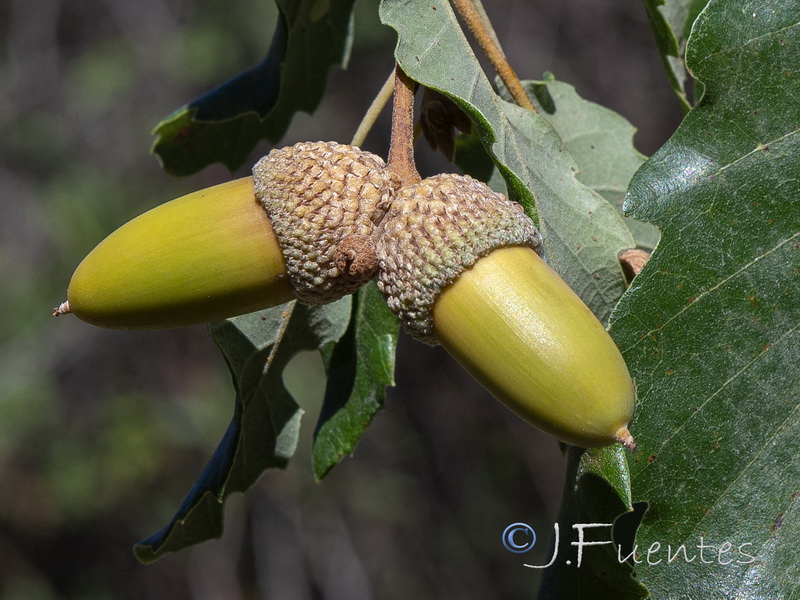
459, 265
300, 228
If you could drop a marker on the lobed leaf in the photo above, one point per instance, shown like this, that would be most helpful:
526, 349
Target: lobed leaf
225, 124
710, 327
264, 429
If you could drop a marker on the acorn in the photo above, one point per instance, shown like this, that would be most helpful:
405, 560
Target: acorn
300, 228
460, 265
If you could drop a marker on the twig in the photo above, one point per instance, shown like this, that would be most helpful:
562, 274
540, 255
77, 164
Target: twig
374, 110
487, 23
488, 42
401, 149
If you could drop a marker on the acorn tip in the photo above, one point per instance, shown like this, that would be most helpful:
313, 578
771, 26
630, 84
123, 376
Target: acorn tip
62, 309
624, 437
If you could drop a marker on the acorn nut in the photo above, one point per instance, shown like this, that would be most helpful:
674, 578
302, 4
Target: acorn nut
459, 265
300, 228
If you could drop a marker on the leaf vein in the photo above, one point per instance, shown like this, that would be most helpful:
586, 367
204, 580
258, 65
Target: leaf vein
738, 48
705, 293
726, 383
760, 148
776, 432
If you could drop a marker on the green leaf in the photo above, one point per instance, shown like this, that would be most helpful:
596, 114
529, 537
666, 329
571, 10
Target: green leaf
601, 142
710, 327
225, 124
582, 232
597, 491
671, 21
360, 367
264, 429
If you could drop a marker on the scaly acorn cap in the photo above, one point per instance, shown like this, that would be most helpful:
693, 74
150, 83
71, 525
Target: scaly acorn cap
324, 200
219, 252
491, 301
435, 230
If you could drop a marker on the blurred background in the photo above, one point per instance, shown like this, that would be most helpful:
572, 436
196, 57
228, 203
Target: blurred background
103, 432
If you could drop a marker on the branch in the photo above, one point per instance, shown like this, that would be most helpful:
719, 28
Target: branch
401, 150
489, 44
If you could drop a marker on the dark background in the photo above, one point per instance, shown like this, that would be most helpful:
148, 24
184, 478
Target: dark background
102, 432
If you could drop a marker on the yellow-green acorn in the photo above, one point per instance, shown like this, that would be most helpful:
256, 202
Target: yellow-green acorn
301, 227
459, 265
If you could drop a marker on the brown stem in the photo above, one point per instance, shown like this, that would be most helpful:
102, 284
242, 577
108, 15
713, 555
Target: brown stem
401, 149
488, 43
487, 24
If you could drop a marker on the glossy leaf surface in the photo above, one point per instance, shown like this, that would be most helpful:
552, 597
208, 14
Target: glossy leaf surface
710, 327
